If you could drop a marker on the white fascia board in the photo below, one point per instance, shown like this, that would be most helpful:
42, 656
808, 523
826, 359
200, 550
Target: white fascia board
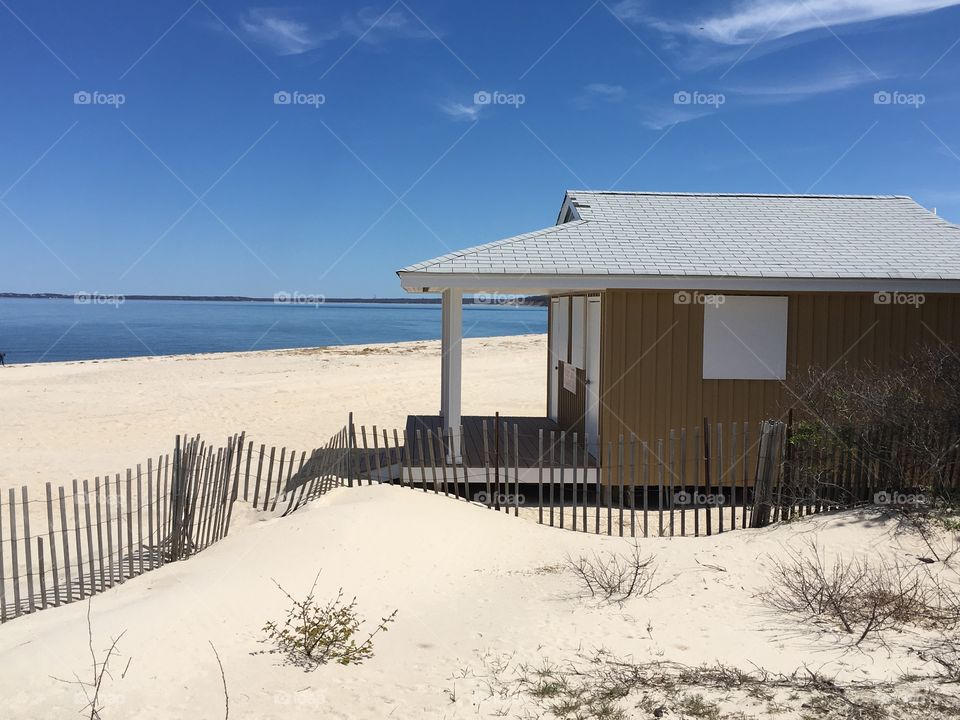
431, 282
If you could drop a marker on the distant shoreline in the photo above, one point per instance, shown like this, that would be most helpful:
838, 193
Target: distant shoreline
534, 300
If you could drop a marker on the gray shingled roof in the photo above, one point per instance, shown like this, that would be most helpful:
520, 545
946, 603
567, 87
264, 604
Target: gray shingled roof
725, 235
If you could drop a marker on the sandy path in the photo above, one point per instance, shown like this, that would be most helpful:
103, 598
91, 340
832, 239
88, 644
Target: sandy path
80, 419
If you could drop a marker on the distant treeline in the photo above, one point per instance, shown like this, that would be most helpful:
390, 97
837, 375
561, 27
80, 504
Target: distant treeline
480, 299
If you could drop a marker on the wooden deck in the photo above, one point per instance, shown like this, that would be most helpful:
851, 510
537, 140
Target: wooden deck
473, 449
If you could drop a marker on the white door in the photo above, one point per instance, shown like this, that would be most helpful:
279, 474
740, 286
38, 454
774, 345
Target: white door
559, 333
578, 321
592, 418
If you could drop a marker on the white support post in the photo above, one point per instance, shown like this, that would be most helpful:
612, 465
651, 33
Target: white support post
451, 367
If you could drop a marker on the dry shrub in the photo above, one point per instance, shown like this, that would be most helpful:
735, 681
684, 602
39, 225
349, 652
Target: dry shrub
313, 634
899, 424
600, 686
615, 577
860, 596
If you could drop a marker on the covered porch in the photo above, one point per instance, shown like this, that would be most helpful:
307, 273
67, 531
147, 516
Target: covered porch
571, 394
520, 442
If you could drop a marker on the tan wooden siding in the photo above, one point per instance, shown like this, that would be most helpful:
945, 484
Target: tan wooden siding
652, 356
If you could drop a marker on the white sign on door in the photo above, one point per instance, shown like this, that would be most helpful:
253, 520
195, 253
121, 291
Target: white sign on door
569, 378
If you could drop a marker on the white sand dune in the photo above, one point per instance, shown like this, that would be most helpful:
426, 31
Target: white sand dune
83, 419
465, 580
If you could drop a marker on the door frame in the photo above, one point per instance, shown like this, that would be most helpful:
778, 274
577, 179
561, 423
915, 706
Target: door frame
593, 368
558, 330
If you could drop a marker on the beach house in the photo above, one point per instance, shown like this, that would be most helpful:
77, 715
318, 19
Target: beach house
666, 308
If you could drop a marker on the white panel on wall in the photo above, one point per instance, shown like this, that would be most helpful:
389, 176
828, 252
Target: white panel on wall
578, 347
745, 338
561, 330
559, 314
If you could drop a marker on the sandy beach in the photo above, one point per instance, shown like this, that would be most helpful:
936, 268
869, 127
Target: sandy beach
82, 419
481, 597
461, 612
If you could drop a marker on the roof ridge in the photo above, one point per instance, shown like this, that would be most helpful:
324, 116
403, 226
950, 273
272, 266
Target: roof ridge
817, 196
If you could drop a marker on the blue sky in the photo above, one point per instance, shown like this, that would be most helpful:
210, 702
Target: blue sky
144, 150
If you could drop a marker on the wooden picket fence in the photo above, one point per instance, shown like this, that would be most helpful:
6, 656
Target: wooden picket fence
702, 483
710, 480
96, 535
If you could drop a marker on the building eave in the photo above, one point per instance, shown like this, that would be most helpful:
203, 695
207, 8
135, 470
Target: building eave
543, 284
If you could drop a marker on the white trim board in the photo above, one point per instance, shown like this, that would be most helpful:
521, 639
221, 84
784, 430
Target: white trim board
432, 282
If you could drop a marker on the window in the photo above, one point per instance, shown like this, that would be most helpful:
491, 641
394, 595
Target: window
745, 338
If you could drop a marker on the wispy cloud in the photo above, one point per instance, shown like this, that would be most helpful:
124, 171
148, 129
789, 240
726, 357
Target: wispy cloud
754, 21
600, 92
280, 32
794, 91
460, 111
690, 105
373, 26
629, 10
287, 34
663, 116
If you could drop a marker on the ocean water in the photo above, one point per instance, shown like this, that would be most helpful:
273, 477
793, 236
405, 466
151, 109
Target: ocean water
47, 330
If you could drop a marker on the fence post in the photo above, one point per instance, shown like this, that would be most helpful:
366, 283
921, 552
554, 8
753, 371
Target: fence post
787, 477
176, 486
350, 444
763, 485
707, 479
496, 465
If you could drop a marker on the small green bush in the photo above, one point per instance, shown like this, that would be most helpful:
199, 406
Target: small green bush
314, 634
